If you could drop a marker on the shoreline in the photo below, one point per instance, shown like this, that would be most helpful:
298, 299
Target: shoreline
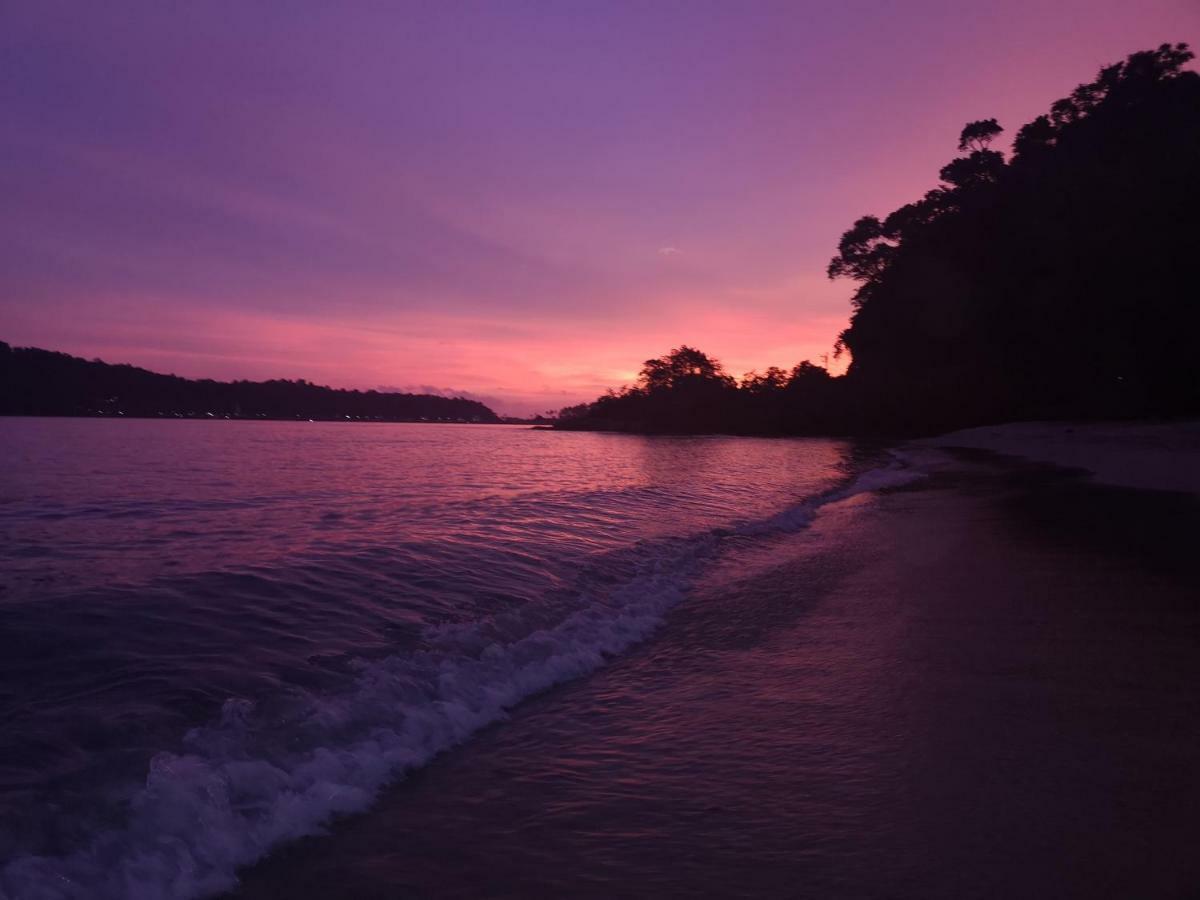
1145, 455
983, 684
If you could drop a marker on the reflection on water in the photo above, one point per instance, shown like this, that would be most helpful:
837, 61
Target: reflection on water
268, 618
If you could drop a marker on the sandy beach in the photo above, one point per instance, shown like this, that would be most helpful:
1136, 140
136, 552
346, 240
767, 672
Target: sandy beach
983, 685
1161, 456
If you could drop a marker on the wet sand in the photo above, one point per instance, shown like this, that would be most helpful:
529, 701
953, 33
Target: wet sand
986, 685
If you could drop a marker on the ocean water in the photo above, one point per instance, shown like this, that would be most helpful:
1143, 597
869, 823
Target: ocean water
218, 636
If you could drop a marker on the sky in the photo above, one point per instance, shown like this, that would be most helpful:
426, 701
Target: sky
518, 202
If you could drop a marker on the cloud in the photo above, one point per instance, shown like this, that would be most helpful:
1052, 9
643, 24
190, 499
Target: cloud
669, 251
486, 399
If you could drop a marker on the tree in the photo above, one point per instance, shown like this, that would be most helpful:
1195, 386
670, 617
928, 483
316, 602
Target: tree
863, 252
1061, 285
773, 379
977, 136
1036, 135
681, 366
981, 167
1057, 285
808, 373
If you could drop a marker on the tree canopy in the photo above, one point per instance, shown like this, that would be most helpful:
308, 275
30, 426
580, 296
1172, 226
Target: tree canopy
1056, 281
41, 382
681, 366
1052, 283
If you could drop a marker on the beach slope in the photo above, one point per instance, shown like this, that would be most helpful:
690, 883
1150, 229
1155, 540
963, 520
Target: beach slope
982, 685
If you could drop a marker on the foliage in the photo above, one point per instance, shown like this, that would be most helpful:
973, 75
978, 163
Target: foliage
680, 368
1058, 283
43, 383
687, 391
978, 136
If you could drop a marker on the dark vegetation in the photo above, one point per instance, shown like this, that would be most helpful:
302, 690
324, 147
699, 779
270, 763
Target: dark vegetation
1058, 283
37, 382
686, 391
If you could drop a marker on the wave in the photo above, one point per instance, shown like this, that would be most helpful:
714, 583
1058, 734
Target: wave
259, 777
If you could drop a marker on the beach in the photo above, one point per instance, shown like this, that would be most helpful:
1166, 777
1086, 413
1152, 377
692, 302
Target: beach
982, 684
500, 663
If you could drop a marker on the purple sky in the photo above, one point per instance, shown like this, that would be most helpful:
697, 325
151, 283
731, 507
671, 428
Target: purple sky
517, 200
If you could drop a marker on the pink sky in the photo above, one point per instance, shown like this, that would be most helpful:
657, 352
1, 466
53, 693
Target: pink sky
521, 201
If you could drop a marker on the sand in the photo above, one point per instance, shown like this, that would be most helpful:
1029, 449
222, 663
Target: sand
1156, 456
983, 685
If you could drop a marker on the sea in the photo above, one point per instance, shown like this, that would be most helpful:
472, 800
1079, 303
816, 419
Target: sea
218, 638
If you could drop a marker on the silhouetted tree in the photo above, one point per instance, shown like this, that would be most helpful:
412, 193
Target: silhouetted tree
681, 365
1058, 283
977, 136
863, 252
40, 382
980, 167
773, 379
1051, 285
808, 374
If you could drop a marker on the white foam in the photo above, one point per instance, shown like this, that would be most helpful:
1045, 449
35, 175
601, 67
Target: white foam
248, 782
897, 474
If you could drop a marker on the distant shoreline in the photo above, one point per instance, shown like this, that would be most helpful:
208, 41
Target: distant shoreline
362, 420
37, 382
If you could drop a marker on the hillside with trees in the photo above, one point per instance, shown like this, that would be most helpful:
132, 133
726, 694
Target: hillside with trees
1057, 282
687, 391
36, 382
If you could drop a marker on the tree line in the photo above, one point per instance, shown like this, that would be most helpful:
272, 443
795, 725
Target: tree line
688, 391
35, 382
1058, 281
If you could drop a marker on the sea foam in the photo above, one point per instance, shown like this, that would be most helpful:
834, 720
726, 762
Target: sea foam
256, 778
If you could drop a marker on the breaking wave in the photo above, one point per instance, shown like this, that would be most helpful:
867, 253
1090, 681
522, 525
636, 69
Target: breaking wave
259, 776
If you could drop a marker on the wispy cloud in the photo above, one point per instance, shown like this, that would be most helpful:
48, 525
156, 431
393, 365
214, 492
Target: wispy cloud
487, 399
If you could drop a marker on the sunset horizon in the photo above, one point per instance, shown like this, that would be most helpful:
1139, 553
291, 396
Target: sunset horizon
285, 198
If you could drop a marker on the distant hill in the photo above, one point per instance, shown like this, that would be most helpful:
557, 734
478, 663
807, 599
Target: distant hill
35, 382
